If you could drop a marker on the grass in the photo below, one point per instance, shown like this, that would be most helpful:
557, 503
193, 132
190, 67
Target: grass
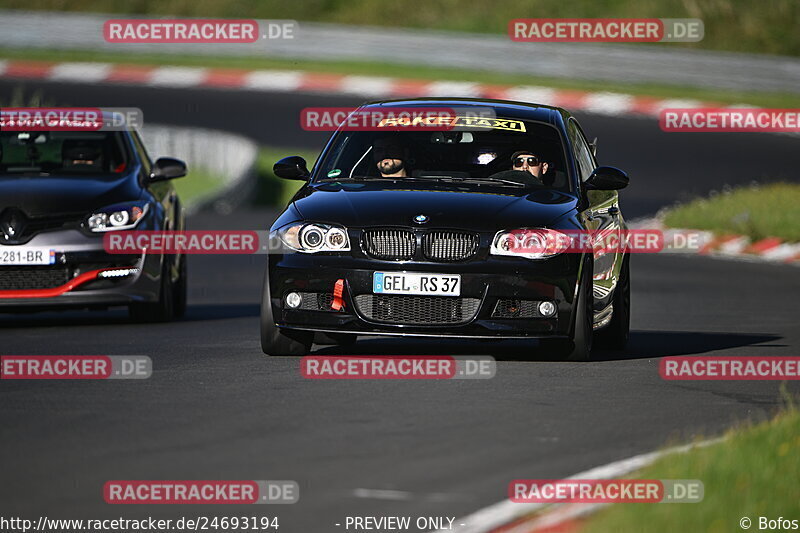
756, 211
366, 68
753, 473
765, 26
197, 185
272, 190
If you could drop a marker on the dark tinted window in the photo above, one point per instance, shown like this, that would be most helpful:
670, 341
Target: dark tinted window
62, 153
460, 154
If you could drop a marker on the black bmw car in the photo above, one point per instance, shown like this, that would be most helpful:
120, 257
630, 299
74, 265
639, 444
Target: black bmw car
60, 193
415, 232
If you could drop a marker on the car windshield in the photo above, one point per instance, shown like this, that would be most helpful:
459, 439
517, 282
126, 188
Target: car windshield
62, 153
530, 155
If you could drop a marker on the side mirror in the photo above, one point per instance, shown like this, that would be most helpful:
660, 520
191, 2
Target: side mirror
167, 168
607, 179
291, 168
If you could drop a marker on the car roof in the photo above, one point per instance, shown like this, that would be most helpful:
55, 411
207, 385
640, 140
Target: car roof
502, 108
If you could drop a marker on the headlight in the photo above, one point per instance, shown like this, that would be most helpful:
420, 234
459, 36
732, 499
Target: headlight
531, 243
115, 218
311, 238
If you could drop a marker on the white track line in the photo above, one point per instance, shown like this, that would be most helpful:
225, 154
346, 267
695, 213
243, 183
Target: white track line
608, 103
370, 86
506, 511
533, 94
177, 77
81, 72
274, 80
453, 88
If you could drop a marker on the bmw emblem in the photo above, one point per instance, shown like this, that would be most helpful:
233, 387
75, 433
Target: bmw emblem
420, 219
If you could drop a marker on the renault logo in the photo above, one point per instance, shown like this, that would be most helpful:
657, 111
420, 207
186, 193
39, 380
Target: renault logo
421, 219
11, 224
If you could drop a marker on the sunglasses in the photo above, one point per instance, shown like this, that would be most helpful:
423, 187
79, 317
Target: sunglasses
533, 161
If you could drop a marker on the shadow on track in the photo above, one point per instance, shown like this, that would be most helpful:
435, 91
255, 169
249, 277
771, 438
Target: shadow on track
643, 345
194, 313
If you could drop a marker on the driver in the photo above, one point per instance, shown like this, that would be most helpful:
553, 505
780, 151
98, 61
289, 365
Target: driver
528, 161
390, 157
81, 153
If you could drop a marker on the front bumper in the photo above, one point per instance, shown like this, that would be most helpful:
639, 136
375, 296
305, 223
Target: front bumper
489, 280
73, 281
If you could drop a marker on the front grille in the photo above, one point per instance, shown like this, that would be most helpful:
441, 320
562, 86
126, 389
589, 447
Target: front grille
316, 301
32, 277
417, 310
516, 309
28, 227
47, 223
450, 245
389, 244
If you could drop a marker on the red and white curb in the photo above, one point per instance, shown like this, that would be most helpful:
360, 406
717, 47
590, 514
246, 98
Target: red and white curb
606, 103
511, 517
771, 249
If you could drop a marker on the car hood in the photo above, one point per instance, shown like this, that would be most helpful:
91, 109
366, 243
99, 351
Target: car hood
476, 208
49, 195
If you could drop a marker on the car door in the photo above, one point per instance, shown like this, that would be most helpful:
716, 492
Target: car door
602, 216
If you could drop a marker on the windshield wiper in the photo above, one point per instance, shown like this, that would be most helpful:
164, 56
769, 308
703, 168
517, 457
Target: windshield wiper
498, 180
455, 179
340, 178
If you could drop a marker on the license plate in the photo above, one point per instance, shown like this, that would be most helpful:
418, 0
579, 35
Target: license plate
416, 283
27, 255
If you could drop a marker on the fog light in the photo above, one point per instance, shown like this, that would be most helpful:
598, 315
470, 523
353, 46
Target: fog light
118, 273
547, 308
293, 300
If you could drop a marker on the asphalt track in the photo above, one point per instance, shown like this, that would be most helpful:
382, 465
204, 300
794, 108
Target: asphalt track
215, 408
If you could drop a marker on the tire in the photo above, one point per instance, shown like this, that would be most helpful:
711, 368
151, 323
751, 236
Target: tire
579, 347
615, 335
180, 288
274, 341
162, 310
